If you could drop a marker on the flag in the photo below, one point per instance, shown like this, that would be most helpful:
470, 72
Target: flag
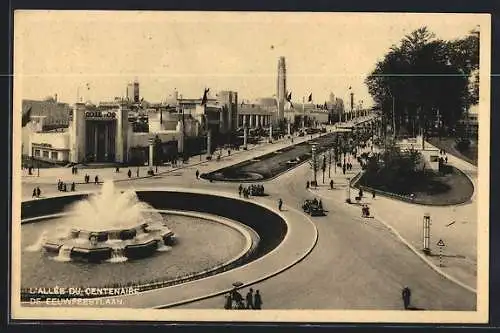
350, 87
289, 99
310, 99
205, 97
26, 117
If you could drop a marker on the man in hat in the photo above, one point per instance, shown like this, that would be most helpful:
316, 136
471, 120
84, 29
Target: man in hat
257, 301
249, 299
406, 295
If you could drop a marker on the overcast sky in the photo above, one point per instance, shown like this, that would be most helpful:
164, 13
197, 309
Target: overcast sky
57, 51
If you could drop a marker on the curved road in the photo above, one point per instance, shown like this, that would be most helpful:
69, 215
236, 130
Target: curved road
356, 264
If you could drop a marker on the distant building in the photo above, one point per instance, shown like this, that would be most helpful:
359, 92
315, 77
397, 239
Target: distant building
468, 125
133, 91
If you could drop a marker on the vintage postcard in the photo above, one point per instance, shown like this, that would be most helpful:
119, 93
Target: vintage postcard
250, 166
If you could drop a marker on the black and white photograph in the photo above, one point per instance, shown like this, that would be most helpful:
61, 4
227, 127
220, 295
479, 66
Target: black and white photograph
250, 166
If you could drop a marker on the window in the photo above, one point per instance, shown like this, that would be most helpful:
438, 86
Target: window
37, 152
46, 153
53, 155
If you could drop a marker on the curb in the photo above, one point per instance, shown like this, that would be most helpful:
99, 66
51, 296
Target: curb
265, 205
420, 255
261, 279
155, 175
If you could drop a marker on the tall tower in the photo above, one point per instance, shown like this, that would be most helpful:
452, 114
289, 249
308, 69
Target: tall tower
281, 88
133, 91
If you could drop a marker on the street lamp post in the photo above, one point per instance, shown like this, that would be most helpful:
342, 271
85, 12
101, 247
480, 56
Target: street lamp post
426, 233
348, 189
314, 162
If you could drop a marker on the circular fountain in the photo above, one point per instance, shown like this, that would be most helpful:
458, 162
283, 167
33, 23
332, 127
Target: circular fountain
110, 226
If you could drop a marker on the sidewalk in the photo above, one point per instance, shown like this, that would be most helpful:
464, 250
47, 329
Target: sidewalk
455, 225
50, 176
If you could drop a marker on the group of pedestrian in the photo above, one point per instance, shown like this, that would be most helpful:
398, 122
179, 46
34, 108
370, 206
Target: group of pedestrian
442, 152
61, 186
365, 210
234, 300
74, 170
87, 179
253, 189
36, 192
29, 169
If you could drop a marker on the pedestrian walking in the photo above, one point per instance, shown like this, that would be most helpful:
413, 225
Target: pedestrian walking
249, 299
96, 179
73, 187
257, 301
280, 204
307, 185
373, 194
34, 193
240, 189
129, 173
228, 304
197, 174
38, 192
406, 295
76, 170
137, 172
229, 152
331, 184
117, 169
446, 159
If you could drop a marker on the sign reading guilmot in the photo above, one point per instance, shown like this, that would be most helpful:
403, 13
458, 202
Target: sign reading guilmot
100, 115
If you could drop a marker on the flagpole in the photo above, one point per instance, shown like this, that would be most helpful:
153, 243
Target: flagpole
303, 112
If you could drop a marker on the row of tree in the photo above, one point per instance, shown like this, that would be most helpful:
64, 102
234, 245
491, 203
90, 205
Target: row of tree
428, 82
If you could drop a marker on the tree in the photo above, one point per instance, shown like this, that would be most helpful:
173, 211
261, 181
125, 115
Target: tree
314, 163
323, 168
423, 76
158, 152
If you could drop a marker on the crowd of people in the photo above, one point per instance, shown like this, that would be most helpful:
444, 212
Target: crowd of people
234, 300
254, 189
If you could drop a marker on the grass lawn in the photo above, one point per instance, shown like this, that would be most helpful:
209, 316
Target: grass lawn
451, 188
449, 144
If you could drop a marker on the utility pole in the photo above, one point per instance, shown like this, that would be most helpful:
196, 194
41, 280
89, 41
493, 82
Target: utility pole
393, 117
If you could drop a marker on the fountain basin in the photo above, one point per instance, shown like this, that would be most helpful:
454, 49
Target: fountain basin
95, 246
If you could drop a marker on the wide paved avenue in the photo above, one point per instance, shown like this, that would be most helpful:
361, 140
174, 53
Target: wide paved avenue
356, 264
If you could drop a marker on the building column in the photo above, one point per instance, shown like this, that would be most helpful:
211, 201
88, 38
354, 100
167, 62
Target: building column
270, 132
252, 124
209, 142
151, 152
245, 132
95, 142
106, 143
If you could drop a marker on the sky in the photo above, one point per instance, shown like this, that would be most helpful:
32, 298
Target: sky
60, 52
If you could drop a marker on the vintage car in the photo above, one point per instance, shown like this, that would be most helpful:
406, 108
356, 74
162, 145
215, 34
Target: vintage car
313, 207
